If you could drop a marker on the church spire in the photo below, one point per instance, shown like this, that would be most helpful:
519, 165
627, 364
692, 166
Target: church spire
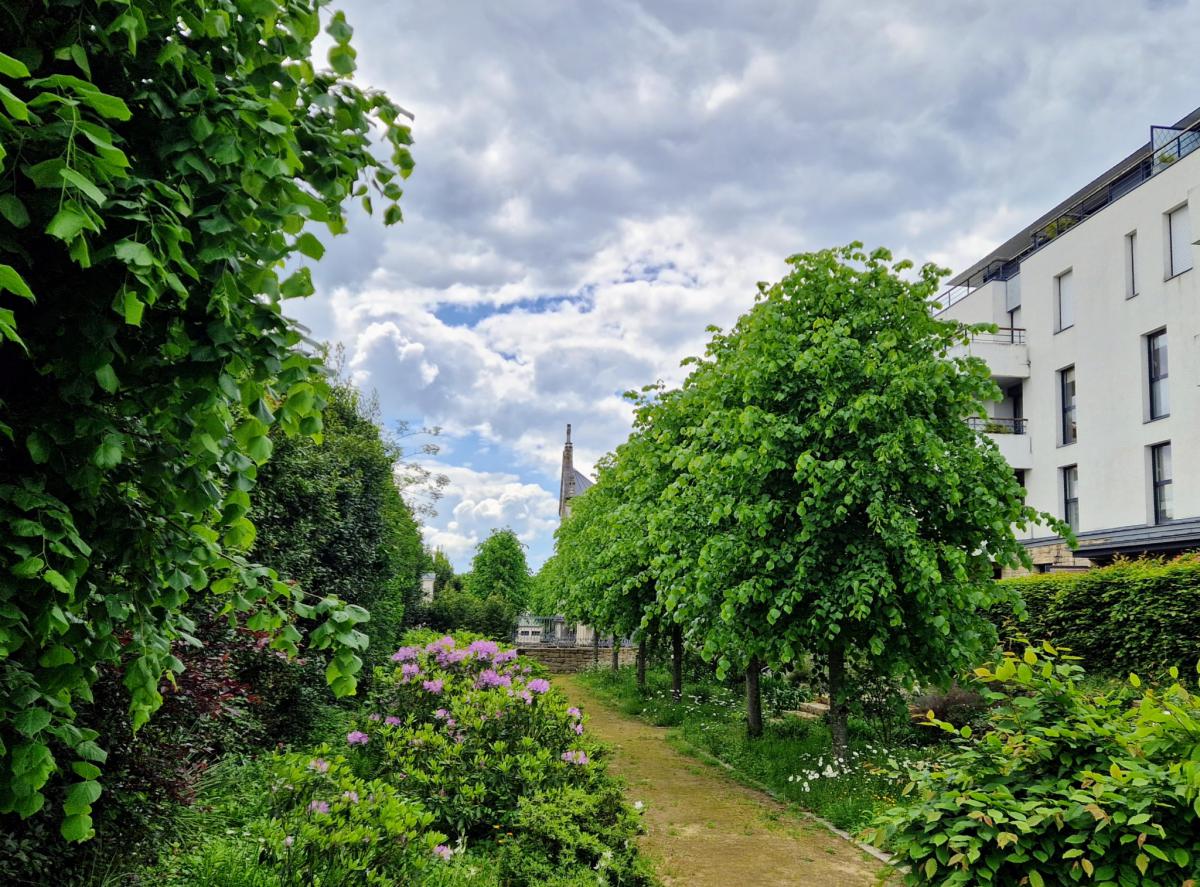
566, 488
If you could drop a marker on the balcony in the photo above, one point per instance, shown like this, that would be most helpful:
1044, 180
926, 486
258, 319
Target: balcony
1010, 435
1004, 351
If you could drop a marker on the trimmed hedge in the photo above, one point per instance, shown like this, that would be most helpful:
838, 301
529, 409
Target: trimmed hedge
1136, 615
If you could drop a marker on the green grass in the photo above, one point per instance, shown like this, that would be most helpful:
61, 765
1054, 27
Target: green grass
792, 759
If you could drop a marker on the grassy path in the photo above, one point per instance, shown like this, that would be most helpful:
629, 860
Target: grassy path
705, 829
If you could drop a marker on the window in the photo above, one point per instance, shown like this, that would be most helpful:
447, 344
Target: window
1160, 475
1179, 241
1066, 387
1156, 355
1064, 286
1070, 477
1020, 473
1131, 265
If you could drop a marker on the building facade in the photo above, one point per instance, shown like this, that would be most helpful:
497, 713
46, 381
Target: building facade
1098, 356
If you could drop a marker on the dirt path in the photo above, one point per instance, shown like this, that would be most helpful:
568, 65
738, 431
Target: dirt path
705, 829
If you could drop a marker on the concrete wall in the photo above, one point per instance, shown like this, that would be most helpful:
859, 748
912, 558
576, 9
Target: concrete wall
566, 660
1107, 347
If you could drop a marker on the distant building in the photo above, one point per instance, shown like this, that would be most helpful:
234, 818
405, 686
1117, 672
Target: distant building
1090, 299
428, 581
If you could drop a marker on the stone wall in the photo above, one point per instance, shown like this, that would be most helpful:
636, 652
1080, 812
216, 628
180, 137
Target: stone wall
565, 660
1052, 558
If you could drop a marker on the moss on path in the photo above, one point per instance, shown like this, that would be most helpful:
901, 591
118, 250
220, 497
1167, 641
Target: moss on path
702, 828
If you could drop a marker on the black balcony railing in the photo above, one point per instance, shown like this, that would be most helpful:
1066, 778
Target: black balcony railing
1005, 335
1167, 146
998, 425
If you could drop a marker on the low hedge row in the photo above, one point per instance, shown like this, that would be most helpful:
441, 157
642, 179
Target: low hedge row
1135, 615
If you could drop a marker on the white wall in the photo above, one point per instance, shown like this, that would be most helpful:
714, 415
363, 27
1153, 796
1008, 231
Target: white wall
1107, 347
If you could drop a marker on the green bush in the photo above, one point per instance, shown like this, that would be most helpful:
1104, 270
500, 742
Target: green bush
1141, 615
1068, 785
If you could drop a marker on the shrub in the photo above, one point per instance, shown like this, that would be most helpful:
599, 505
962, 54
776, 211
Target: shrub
1068, 785
1141, 615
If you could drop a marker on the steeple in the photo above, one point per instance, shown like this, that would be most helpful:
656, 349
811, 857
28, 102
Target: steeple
566, 488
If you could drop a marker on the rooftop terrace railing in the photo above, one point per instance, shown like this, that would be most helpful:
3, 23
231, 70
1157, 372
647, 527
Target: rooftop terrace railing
1168, 146
998, 425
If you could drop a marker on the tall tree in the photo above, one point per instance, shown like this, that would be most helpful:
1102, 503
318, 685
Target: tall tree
160, 163
844, 506
499, 568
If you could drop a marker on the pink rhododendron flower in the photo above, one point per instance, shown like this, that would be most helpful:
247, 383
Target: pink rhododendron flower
504, 656
539, 685
442, 643
489, 678
374, 716
318, 807
352, 797
484, 649
405, 654
434, 686
409, 671
357, 737
392, 721
443, 851
575, 757
574, 712
578, 729
289, 840
319, 764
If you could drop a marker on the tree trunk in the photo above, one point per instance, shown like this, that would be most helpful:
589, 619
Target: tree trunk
596, 647
641, 663
837, 700
676, 662
616, 653
754, 723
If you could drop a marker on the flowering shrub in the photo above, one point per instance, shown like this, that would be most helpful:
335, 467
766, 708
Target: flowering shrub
328, 821
1066, 786
461, 744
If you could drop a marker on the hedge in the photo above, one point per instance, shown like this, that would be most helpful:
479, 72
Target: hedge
1135, 615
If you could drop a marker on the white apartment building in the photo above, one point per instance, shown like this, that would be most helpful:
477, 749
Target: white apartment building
1098, 355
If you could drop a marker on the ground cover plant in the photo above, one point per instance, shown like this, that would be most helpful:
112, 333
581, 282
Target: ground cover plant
791, 758
1072, 782
464, 766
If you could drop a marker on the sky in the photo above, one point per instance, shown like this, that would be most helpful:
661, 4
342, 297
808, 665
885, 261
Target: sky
597, 182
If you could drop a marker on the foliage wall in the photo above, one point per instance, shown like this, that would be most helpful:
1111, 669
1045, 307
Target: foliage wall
1138, 615
160, 161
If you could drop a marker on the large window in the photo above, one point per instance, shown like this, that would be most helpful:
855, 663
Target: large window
1066, 388
1070, 481
1156, 355
1064, 301
1179, 241
1131, 265
1160, 473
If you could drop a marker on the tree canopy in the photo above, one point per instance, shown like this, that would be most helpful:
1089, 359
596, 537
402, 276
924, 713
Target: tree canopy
499, 568
161, 161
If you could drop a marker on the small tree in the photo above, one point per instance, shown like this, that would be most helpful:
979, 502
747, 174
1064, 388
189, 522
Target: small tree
845, 506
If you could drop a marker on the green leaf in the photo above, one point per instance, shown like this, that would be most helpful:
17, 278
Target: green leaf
133, 308
110, 452
81, 796
58, 581
77, 827
1035, 879
27, 568
106, 105
11, 281
13, 105
310, 246
14, 210
131, 252
86, 770
11, 67
56, 656
67, 223
31, 721
38, 447
298, 285
106, 377
79, 56
341, 59
84, 184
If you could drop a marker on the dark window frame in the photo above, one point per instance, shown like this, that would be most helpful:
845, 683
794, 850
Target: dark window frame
1157, 372
1069, 421
1163, 511
1131, 258
1070, 502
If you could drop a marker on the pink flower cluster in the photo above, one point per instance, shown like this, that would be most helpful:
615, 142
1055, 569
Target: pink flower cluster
575, 757
357, 737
